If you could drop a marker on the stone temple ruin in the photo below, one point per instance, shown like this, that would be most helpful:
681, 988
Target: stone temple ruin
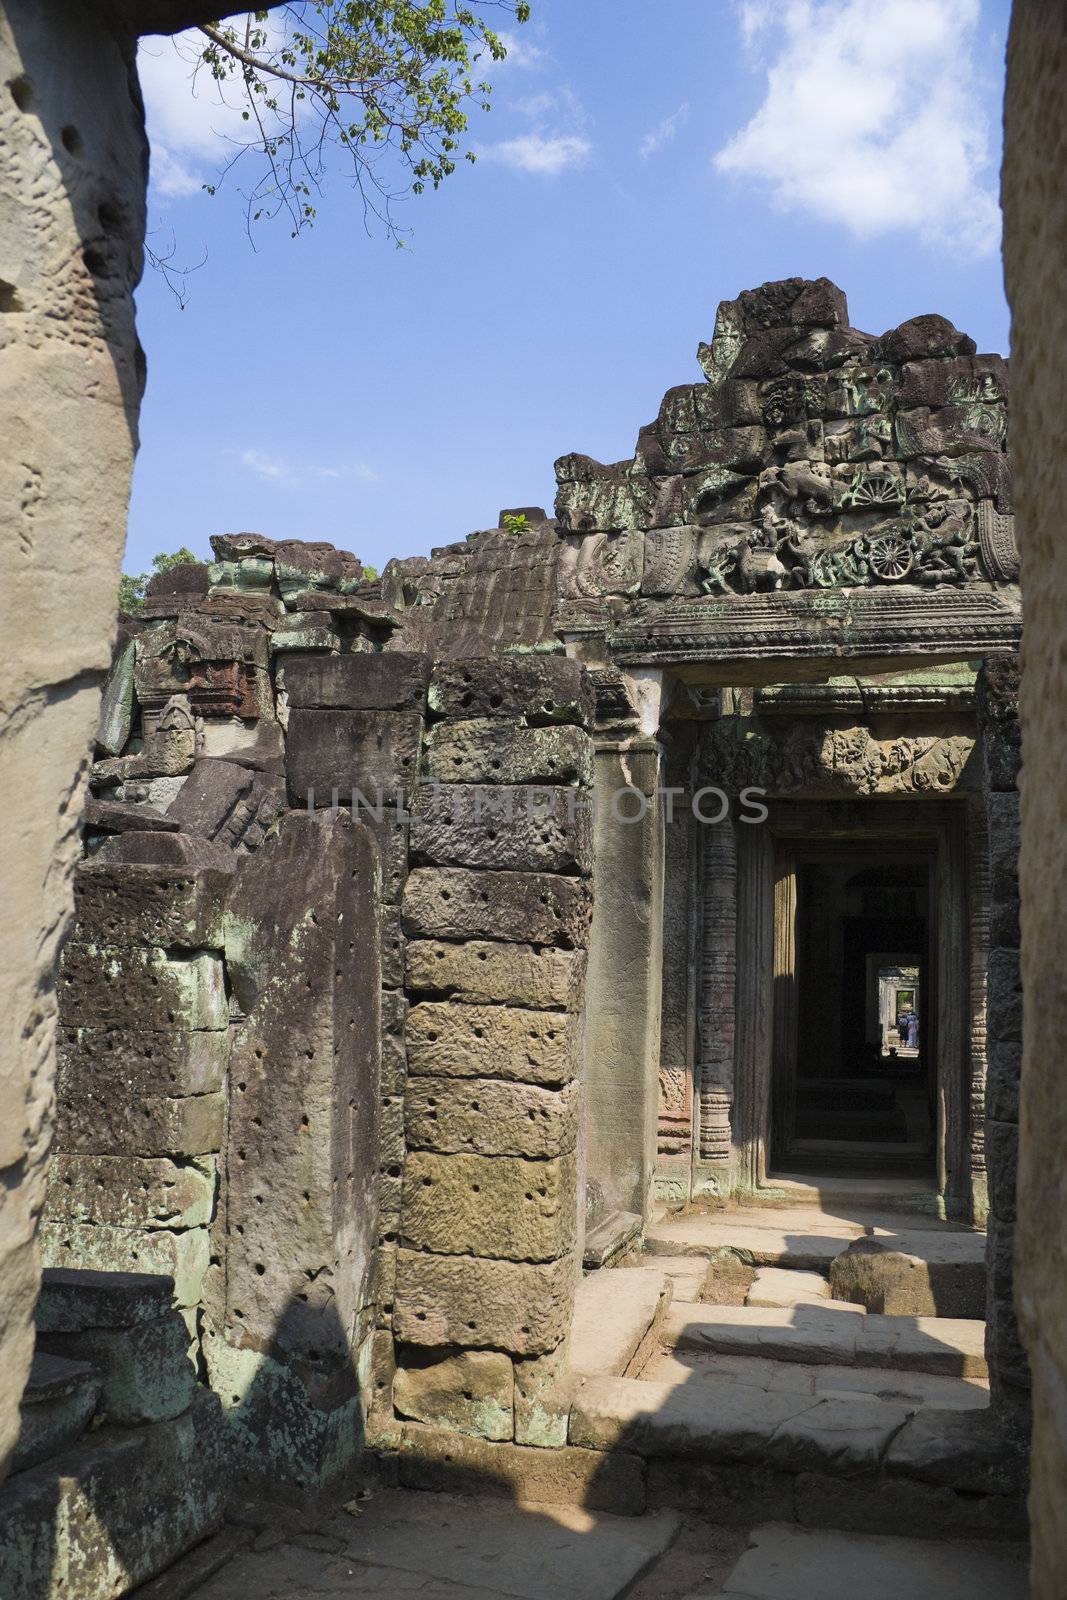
442, 941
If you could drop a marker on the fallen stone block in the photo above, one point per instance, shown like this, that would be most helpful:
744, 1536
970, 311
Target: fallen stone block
532, 690
448, 1463
490, 1117
487, 750
188, 851
520, 1307
496, 1206
209, 796
940, 1275
539, 907
614, 1312
507, 828
472, 1392
719, 1423
448, 1039
887, 1504
515, 974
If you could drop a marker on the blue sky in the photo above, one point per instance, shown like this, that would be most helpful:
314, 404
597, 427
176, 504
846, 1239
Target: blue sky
643, 160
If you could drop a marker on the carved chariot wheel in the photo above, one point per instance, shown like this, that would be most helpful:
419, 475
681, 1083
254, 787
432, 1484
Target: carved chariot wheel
890, 556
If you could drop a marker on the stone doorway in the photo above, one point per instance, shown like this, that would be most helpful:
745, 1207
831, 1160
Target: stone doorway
848, 1094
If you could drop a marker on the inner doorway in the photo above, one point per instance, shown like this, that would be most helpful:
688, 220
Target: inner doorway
855, 1018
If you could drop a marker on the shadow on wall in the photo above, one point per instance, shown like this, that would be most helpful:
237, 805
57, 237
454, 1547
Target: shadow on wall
124, 1503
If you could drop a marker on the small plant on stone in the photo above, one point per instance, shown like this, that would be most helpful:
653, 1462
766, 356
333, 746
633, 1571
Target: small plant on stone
515, 524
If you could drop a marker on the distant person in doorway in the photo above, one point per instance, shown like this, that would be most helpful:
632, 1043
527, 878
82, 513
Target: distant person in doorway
902, 1028
913, 1031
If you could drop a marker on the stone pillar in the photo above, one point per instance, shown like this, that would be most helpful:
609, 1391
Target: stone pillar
495, 915
681, 926
72, 184
1034, 192
625, 981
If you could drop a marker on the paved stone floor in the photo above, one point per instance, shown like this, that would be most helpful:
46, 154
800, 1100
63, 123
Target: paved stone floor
451, 1547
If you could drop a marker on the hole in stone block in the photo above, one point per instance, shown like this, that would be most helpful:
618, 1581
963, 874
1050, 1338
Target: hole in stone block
21, 92
72, 140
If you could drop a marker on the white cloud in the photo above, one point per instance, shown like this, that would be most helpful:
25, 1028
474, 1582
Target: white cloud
280, 469
545, 155
664, 132
267, 466
190, 127
875, 117
520, 53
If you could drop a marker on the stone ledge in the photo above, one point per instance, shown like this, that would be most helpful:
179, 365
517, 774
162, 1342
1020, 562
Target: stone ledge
459, 1464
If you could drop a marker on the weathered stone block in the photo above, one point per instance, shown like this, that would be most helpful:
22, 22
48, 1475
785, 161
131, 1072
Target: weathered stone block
125, 986
137, 904
507, 828
181, 1256
521, 1307
391, 1131
1002, 1159
57, 1403
121, 1509
533, 690
516, 974
394, 1069
375, 752
441, 1462
390, 836
94, 1122
539, 907
472, 1392
146, 1370
498, 1206
543, 1399
488, 1117
1002, 1081
73, 1300
1004, 997
921, 338
446, 1039
487, 750
395, 680
305, 1100
391, 943
897, 1283
119, 1062
126, 1192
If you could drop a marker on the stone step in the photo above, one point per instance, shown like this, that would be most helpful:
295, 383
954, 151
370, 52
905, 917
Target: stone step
811, 1239
791, 1431
790, 1563
57, 1404
895, 1386
780, 1286
617, 1314
761, 1243
820, 1335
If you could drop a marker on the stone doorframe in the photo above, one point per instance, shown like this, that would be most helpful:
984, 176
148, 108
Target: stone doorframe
764, 995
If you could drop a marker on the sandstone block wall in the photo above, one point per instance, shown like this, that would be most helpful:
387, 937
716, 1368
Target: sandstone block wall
1035, 249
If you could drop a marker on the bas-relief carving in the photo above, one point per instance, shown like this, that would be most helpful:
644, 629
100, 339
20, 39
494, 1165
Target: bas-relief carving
849, 761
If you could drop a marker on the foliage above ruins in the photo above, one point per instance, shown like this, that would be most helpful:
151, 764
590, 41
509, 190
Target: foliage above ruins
371, 78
